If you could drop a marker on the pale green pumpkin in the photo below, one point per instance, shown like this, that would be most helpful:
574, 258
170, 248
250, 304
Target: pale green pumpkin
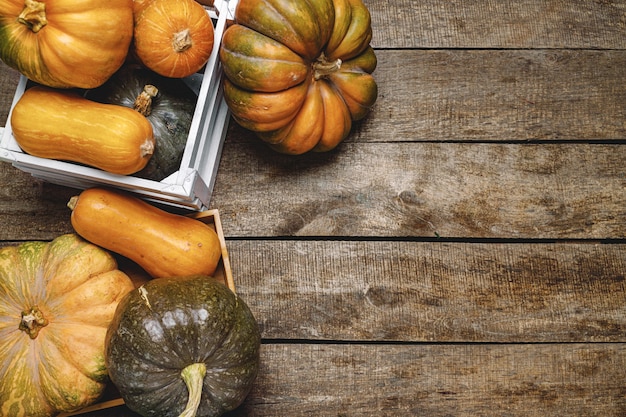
56, 302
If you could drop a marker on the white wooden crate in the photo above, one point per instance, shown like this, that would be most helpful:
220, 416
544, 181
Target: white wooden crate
191, 186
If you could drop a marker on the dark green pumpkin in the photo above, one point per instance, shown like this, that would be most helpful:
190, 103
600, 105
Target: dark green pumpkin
173, 324
170, 112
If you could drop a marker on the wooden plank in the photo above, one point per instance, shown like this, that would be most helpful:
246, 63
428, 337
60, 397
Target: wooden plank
462, 190
433, 291
435, 380
440, 380
498, 24
498, 95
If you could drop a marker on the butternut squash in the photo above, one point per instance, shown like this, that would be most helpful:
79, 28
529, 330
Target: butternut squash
164, 244
62, 125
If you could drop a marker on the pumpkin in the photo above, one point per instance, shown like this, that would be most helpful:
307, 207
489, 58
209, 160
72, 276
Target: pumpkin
163, 243
299, 73
61, 124
57, 300
173, 38
183, 346
168, 104
66, 43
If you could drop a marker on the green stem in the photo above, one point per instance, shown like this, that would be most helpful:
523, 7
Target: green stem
193, 375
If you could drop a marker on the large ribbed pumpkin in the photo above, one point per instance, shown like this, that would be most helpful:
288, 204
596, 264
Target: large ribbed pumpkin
57, 300
66, 43
299, 73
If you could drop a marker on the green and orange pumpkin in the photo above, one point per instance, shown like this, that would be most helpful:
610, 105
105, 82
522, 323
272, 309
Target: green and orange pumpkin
299, 73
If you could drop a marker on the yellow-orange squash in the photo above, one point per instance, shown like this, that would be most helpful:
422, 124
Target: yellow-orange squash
173, 38
66, 43
164, 244
60, 124
299, 73
57, 300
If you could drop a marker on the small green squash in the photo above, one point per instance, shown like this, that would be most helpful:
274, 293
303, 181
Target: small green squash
183, 344
169, 105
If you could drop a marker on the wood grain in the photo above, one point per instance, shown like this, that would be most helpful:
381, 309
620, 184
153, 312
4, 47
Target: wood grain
536, 24
440, 380
461, 190
433, 291
8, 83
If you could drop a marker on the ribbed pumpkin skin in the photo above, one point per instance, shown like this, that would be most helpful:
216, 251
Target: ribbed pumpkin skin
170, 323
299, 73
59, 124
77, 287
173, 38
82, 44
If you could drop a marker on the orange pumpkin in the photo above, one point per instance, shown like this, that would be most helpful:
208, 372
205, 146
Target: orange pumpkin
173, 38
66, 43
299, 73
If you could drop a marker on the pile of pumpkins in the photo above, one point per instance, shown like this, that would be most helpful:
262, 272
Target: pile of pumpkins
180, 343
107, 92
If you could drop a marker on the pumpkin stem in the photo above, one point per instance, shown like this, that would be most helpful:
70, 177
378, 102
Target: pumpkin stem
322, 67
193, 375
33, 15
147, 148
143, 102
32, 321
181, 40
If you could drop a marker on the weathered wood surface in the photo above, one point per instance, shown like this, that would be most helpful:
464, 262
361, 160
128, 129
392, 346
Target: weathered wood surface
463, 253
434, 291
425, 190
537, 24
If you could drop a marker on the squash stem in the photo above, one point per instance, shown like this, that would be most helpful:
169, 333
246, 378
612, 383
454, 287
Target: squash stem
143, 102
33, 15
32, 321
322, 67
181, 41
193, 375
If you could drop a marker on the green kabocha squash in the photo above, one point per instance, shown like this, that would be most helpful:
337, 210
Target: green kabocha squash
169, 105
298, 73
183, 346
57, 300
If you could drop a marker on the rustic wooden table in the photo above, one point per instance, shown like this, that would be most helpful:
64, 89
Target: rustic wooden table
463, 252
